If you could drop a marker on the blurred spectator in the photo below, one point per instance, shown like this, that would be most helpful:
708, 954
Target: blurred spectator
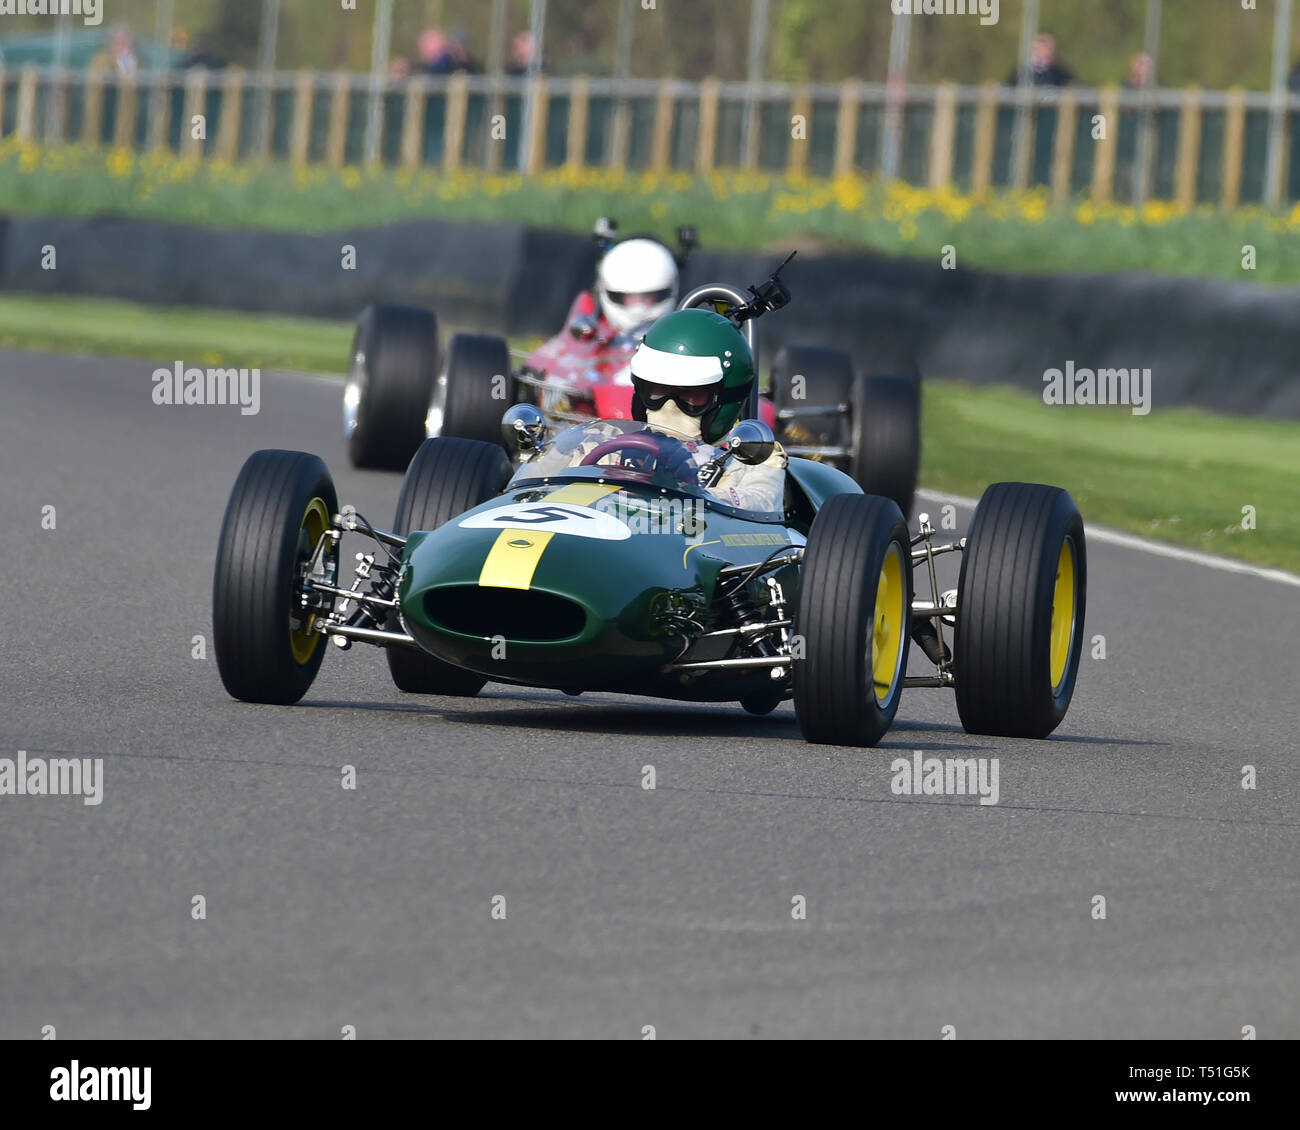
122, 47
204, 55
119, 56
461, 59
1141, 72
435, 52
1293, 81
399, 66
1045, 66
523, 54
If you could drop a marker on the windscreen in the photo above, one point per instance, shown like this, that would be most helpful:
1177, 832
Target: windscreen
625, 451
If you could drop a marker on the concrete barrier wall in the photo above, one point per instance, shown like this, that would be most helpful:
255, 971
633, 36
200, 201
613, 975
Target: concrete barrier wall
1220, 344
469, 273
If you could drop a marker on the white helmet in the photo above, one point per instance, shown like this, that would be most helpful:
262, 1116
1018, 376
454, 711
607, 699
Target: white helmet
636, 283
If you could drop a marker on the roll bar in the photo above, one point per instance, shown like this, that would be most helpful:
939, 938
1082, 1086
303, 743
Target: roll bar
713, 293
742, 309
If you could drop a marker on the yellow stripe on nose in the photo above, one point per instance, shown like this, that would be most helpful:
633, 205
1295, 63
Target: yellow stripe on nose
513, 559
515, 555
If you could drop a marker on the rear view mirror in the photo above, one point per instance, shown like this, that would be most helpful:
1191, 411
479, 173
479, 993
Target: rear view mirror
523, 427
751, 442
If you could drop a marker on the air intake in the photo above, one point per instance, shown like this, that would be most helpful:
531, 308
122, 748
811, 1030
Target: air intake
513, 614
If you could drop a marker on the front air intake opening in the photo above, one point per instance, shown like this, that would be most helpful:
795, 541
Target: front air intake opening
513, 614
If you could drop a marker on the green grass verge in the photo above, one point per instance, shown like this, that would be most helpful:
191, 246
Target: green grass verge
198, 336
1176, 475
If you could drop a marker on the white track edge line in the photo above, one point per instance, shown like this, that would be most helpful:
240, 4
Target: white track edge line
1145, 545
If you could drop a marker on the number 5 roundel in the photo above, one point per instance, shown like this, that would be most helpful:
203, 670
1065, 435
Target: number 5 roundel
550, 518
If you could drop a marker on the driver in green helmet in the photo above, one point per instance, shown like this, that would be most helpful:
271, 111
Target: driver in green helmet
691, 376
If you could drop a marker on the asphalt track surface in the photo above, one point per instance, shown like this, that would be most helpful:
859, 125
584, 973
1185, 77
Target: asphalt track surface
624, 907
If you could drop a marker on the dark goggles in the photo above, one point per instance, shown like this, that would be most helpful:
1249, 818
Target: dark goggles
694, 401
635, 299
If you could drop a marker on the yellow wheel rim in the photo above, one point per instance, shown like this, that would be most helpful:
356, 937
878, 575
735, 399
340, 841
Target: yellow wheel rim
888, 626
1063, 598
315, 521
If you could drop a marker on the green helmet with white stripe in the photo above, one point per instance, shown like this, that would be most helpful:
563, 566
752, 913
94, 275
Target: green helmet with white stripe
700, 363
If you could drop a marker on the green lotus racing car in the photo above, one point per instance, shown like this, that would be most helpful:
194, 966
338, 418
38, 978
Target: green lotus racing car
608, 561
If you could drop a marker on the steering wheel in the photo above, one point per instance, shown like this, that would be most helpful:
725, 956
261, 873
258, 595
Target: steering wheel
640, 443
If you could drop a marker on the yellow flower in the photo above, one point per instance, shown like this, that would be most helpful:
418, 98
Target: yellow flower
121, 162
1034, 209
1156, 212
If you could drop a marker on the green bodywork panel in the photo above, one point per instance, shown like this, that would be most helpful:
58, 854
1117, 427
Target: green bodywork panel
819, 481
635, 604
603, 611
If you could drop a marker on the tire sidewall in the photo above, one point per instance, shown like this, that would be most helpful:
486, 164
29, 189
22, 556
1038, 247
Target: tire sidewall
395, 386
995, 693
253, 584
1066, 522
834, 701
464, 386
885, 453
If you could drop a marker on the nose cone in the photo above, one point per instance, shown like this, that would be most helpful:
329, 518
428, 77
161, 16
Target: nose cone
550, 592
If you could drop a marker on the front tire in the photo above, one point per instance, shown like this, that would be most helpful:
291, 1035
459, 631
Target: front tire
1021, 599
854, 618
282, 504
447, 477
390, 383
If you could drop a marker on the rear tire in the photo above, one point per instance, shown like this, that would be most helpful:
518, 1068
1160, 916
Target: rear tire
281, 505
448, 476
886, 438
473, 390
854, 617
1021, 599
390, 384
